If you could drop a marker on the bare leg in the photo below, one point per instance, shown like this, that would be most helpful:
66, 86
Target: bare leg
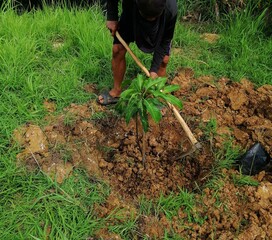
118, 69
162, 69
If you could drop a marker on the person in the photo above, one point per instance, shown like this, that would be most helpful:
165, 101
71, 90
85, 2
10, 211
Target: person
148, 23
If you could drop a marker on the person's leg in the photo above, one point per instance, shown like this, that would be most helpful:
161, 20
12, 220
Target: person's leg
118, 70
163, 66
118, 53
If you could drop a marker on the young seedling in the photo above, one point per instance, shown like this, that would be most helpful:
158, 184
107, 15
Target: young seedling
146, 96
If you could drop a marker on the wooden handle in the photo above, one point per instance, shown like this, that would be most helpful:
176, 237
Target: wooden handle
172, 107
183, 124
132, 54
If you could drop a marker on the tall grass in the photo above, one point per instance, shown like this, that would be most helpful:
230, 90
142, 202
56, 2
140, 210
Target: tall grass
49, 54
243, 50
247, 51
35, 207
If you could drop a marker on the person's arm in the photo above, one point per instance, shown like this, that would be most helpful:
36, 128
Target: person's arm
112, 16
163, 47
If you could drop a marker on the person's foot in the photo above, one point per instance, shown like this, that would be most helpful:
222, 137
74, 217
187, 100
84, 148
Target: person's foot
106, 98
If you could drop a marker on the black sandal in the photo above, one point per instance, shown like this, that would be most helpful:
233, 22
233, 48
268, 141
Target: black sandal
107, 99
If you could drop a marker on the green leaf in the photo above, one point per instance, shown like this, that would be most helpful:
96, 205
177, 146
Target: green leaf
156, 102
141, 106
121, 106
131, 111
134, 99
153, 110
169, 98
139, 82
162, 83
144, 121
171, 88
126, 93
153, 82
157, 93
172, 99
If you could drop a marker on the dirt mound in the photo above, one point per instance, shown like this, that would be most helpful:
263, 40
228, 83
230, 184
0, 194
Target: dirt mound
240, 110
95, 138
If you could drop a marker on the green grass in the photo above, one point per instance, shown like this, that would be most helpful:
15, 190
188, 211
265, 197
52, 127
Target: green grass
243, 50
69, 119
126, 229
33, 70
33, 205
170, 205
244, 180
224, 159
51, 55
48, 55
209, 130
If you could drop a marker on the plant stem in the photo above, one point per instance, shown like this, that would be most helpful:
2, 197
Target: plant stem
144, 147
137, 133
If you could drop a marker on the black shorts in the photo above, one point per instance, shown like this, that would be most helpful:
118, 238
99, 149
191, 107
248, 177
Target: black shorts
126, 27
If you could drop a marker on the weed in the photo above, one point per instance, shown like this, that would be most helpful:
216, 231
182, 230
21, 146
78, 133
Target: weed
64, 152
209, 130
67, 156
225, 158
145, 206
127, 228
244, 222
99, 115
244, 180
171, 204
106, 149
69, 119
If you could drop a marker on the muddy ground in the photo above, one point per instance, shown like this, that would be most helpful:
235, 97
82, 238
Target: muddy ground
95, 138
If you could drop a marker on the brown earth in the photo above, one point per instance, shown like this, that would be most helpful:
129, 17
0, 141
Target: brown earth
95, 138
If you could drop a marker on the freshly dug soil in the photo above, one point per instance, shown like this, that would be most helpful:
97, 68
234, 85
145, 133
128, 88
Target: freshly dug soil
95, 138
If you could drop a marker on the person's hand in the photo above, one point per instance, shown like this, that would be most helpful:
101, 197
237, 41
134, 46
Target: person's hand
153, 75
112, 26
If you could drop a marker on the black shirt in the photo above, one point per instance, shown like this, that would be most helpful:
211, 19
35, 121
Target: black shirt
154, 36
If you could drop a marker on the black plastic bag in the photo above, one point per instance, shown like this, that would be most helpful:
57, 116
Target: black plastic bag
254, 160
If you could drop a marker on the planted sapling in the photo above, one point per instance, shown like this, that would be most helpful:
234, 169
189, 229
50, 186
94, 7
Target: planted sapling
146, 96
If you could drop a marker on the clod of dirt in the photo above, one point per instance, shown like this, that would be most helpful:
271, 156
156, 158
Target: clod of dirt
210, 37
238, 98
152, 226
241, 110
105, 234
49, 106
32, 139
57, 44
264, 195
